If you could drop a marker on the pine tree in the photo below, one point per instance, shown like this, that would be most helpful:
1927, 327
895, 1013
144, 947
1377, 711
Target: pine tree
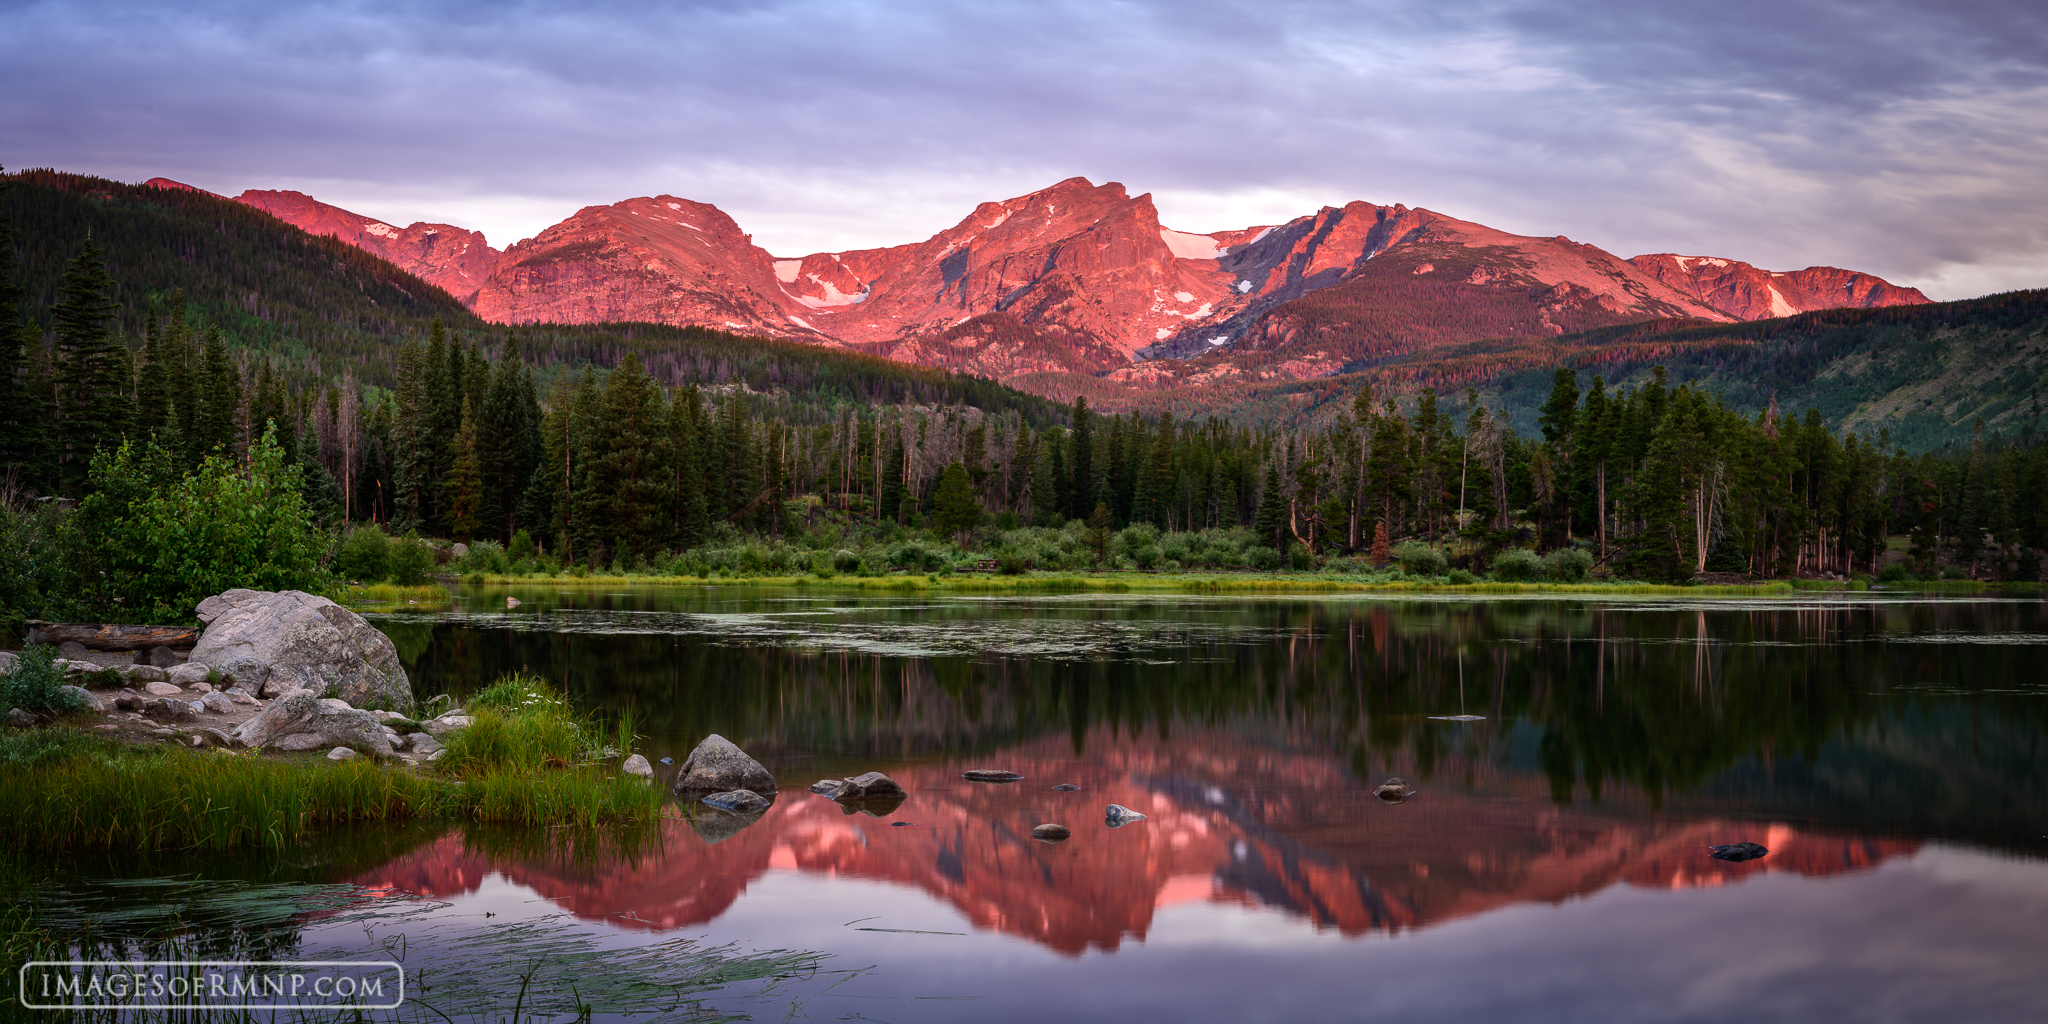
412, 472
92, 369
687, 426
222, 400
1271, 524
1081, 459
628, 475
152, 381
954, 505
463, 488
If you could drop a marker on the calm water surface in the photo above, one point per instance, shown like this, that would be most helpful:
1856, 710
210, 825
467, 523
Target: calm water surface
1891, 752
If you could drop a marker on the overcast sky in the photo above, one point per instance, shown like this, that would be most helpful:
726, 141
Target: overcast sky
1905, 139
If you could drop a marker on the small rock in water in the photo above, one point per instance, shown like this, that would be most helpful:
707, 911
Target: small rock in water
511, 602
637, 765
1051, 833
900, 824
1065, 787
340, 754
871, 786
1737, 852
668, 760
739, 800
990, 775
1395, 790
1457, 718
1117, 816
829, 787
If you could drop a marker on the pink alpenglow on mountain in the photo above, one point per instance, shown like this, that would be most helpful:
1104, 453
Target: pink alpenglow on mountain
456, 259
1751, 293
1083, 278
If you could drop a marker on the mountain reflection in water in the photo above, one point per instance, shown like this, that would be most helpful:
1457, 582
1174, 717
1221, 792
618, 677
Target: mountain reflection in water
1228, 822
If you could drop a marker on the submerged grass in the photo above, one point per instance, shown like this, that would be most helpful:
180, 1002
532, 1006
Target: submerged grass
525, 762
360, 595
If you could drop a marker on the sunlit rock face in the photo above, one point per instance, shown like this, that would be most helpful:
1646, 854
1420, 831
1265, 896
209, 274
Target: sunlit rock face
1080, 278
1228, 822
1752, 293
455, 259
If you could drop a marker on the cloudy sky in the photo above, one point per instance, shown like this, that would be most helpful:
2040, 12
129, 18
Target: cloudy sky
1906, 139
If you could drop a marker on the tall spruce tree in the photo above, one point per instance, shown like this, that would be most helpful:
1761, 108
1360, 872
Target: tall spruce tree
92, 366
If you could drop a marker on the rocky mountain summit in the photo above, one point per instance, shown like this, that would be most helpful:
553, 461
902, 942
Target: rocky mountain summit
1083, 278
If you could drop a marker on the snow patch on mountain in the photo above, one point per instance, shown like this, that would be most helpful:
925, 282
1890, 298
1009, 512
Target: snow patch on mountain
1190, 246
785, 270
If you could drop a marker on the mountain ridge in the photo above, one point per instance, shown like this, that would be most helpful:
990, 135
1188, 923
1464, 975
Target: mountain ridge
1090, 269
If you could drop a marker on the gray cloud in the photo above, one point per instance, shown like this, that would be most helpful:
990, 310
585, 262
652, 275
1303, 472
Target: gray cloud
1906, 139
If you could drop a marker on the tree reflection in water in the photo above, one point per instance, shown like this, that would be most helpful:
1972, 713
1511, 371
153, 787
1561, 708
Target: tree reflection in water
1618, 741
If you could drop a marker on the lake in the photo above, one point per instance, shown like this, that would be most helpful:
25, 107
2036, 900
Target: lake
1571, 761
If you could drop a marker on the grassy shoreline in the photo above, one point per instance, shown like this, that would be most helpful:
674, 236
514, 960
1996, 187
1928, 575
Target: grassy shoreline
524, 760
1244, 583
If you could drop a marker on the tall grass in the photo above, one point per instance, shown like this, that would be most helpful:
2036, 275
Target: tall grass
70, 792
526, 760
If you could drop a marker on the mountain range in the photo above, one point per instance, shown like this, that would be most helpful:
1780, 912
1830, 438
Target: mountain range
1082, 280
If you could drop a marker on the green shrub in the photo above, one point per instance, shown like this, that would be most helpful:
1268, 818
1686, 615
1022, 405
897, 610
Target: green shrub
1146, 557
1518, 565
36, 684
521, 548
1460, 577
1011, 562
41, 554
1262, 558
1569, 565
364, 555
1300, 557
1419, 559
410, 561
162, 544
1896, 572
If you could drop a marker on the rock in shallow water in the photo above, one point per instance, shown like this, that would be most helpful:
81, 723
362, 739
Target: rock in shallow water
739, 801
718, 766
1065, 787
1737, 852
990, 775
637, 765
1117, 816
1051, 833
1395, 790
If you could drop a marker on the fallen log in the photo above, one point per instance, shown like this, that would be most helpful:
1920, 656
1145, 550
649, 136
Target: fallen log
109, 637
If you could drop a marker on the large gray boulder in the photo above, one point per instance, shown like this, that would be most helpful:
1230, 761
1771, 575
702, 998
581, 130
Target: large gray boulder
719, 766
307, 642
303, 720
